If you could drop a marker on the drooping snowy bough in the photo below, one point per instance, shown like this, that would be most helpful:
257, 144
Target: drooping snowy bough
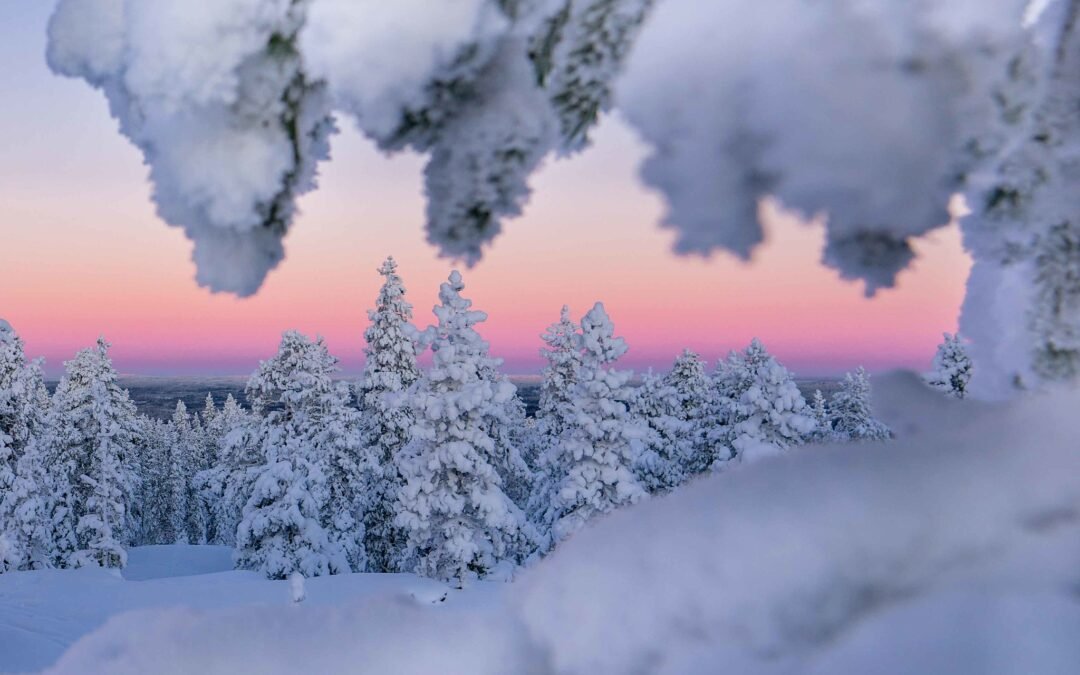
873, 114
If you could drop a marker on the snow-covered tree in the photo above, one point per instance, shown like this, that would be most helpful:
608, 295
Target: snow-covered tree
305, 509
385, 418
25, 518
694, 393
224, 487
460, 523
952, 368
25, 536
668, 443
24, 404
562, 352
851, 411
90, 458
823, 430
180, 450
761, 410
154, 445
601, 446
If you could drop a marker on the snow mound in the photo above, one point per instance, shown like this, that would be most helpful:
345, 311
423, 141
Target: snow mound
383, 636
778, 559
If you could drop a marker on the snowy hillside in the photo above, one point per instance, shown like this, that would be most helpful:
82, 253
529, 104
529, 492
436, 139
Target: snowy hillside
949, 550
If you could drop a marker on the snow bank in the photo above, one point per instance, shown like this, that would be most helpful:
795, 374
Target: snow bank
43, 613
954, 549
382, 636
779, 558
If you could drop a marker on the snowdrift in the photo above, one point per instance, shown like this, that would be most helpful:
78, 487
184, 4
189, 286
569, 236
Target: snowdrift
954, 549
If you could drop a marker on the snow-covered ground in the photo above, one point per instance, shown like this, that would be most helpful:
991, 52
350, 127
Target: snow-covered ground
43, 613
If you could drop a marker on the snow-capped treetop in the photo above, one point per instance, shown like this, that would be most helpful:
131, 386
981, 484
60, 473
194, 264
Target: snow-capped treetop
851, 412
390, 364
562, 351
598, 337
294, 379
6, 331
24, 401
952, 368
761, 408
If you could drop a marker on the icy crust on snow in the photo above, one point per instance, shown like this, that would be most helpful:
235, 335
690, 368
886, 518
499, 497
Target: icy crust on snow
954, 549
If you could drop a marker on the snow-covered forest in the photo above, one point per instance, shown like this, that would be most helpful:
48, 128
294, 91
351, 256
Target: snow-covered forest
704, 519
436, 471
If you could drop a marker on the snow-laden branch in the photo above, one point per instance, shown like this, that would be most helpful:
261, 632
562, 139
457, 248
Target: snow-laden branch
871, 114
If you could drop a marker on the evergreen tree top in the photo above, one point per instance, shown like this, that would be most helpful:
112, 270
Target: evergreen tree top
598, 335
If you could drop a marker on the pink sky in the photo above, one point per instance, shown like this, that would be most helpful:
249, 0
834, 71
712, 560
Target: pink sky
82, 253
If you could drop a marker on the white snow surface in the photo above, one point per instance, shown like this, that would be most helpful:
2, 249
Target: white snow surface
43, 613
953, 549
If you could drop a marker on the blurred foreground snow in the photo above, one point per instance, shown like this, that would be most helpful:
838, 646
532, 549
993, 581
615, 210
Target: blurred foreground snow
954, 549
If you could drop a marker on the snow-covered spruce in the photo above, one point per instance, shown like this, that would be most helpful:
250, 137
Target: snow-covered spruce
599, 448
668, 442
563, 353
951, 371
823, 430
225, 485
851, 413
694, 398
460, 523
759, 410
91, 463
24, 510
305, 509
385, 417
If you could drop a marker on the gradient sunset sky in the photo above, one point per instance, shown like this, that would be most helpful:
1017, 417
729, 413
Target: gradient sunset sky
82, 253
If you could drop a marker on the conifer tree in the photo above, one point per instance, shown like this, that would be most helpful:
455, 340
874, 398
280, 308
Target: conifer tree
386, 420
563, 353
92, 427
952, 368
180, 448
304, 513
602, 444
693, 392
24, 404
853, 417
154, 495
224, 487
668, 443
823, 430
459, 521
761, 410
28, 538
